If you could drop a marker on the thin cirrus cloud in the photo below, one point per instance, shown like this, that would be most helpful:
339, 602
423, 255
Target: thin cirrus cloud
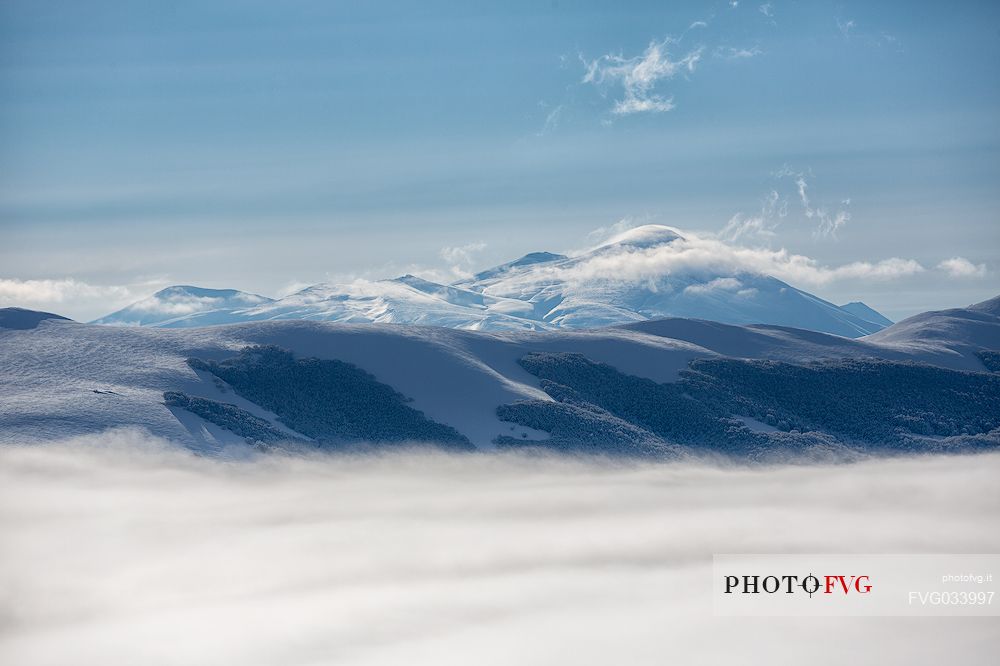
735, 53
638, 76
641, 77
775, 209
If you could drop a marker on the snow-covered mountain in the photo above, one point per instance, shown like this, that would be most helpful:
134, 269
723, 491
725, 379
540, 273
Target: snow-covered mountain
23, 319
176, 306
662, 387
960, 331
859, 309
649, 272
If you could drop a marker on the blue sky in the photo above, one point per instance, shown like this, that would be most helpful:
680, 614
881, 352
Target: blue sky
263, 145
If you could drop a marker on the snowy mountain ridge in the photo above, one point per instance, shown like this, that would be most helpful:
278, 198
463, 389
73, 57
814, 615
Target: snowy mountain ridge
659, 387
649, 272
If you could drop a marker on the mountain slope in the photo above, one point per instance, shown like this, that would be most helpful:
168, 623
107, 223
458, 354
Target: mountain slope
642, 274
859, 309
173, 307
22, 319
646, 273
646, 388
959, 332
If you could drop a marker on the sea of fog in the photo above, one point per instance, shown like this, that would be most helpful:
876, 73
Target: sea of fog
124, 550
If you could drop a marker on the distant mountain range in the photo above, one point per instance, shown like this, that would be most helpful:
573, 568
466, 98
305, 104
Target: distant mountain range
539, 291
662, 388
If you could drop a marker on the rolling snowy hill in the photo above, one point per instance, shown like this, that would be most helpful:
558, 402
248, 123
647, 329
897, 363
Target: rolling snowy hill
644, 273
180, 305
660, 387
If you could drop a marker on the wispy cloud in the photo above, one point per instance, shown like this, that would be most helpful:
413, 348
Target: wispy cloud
850, 31
552, 118
775, 208
718, 284
642, 78
960, 267
827, 223
461, 257
639, 75
737, 53
601, 235
846, 27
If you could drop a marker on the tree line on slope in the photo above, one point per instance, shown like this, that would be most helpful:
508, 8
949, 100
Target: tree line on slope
853, 405
330, 401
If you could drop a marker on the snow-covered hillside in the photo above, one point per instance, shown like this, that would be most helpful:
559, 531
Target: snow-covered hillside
645, 273
959, 332
634, 384
183, 305
859, 309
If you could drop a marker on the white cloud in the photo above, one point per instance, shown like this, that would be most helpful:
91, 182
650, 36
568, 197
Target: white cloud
461, 257
641, 78
655, 104
766, 9
552, 118
718, 284
293, 287
429, 558
697, 254
734, 53
845, 27
849, 31
827, 224
601, 234
638, 76
177, 305
183, 303
74, 298
773, 209
51, 292
462, 253
960, 267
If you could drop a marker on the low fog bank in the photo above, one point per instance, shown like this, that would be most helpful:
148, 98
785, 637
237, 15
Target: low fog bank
121, 549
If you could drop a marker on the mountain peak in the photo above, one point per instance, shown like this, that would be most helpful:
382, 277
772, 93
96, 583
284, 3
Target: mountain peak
530, 259
540, 290
182, 301
178, 290
859, 309
644, 237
